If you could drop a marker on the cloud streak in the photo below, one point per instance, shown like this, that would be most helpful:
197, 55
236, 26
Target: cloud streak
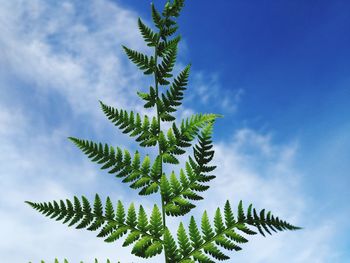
208, 91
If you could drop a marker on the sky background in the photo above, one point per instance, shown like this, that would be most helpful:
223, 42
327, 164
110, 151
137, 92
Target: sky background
278, 71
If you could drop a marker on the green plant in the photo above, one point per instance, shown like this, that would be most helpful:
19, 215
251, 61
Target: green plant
149, 235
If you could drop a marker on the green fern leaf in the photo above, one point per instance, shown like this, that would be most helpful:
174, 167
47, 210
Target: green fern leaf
150, 98
170, 247
188, 130
166, 67
142, 220
141, 246
165, 47
178, 195
195, 235
149, 36
111, 223
157, 18
169, 31
173, 97
156, 223
144, 63
174, 9
129, 123
131, 238
149, 235
123, 165
225, 235
184, 243
154, 249
207, 230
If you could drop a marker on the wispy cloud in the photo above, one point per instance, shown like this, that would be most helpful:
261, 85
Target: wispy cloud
58, 47
208, 91
252, 168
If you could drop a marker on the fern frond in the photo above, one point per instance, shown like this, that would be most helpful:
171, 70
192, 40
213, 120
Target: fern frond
149, 235
156, 17
150, 37
144, 63
112, 224
170, 247
179, 138
166, 67
203, 154
164, 47
122, 164
177, 7
145, 130
172, 97
180, 195
150, 98
190, 126
173, 9
168, 31
207, 245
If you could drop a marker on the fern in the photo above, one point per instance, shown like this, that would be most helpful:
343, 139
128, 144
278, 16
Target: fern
178, 194
112, 223
210, 241
207, 241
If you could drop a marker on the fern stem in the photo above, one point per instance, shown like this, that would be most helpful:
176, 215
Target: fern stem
159, 148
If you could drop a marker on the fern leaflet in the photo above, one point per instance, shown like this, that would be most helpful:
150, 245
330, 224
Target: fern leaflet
112, 224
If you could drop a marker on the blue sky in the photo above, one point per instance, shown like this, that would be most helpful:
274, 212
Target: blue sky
277, 70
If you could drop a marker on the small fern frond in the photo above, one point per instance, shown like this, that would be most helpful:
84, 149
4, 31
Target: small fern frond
173, 97
156, 17
168, 31
173, 9
133, 124
112, 224
180, 194
164, 47
142, 61
165, 68
228, 233
179, 138
150, 37
150, 98
123, 165
170, 247
191, 126
203, 154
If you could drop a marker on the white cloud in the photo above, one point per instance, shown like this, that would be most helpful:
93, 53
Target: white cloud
207, 90
254, 169
57, 47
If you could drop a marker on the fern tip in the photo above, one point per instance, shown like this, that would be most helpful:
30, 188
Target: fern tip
29, 203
